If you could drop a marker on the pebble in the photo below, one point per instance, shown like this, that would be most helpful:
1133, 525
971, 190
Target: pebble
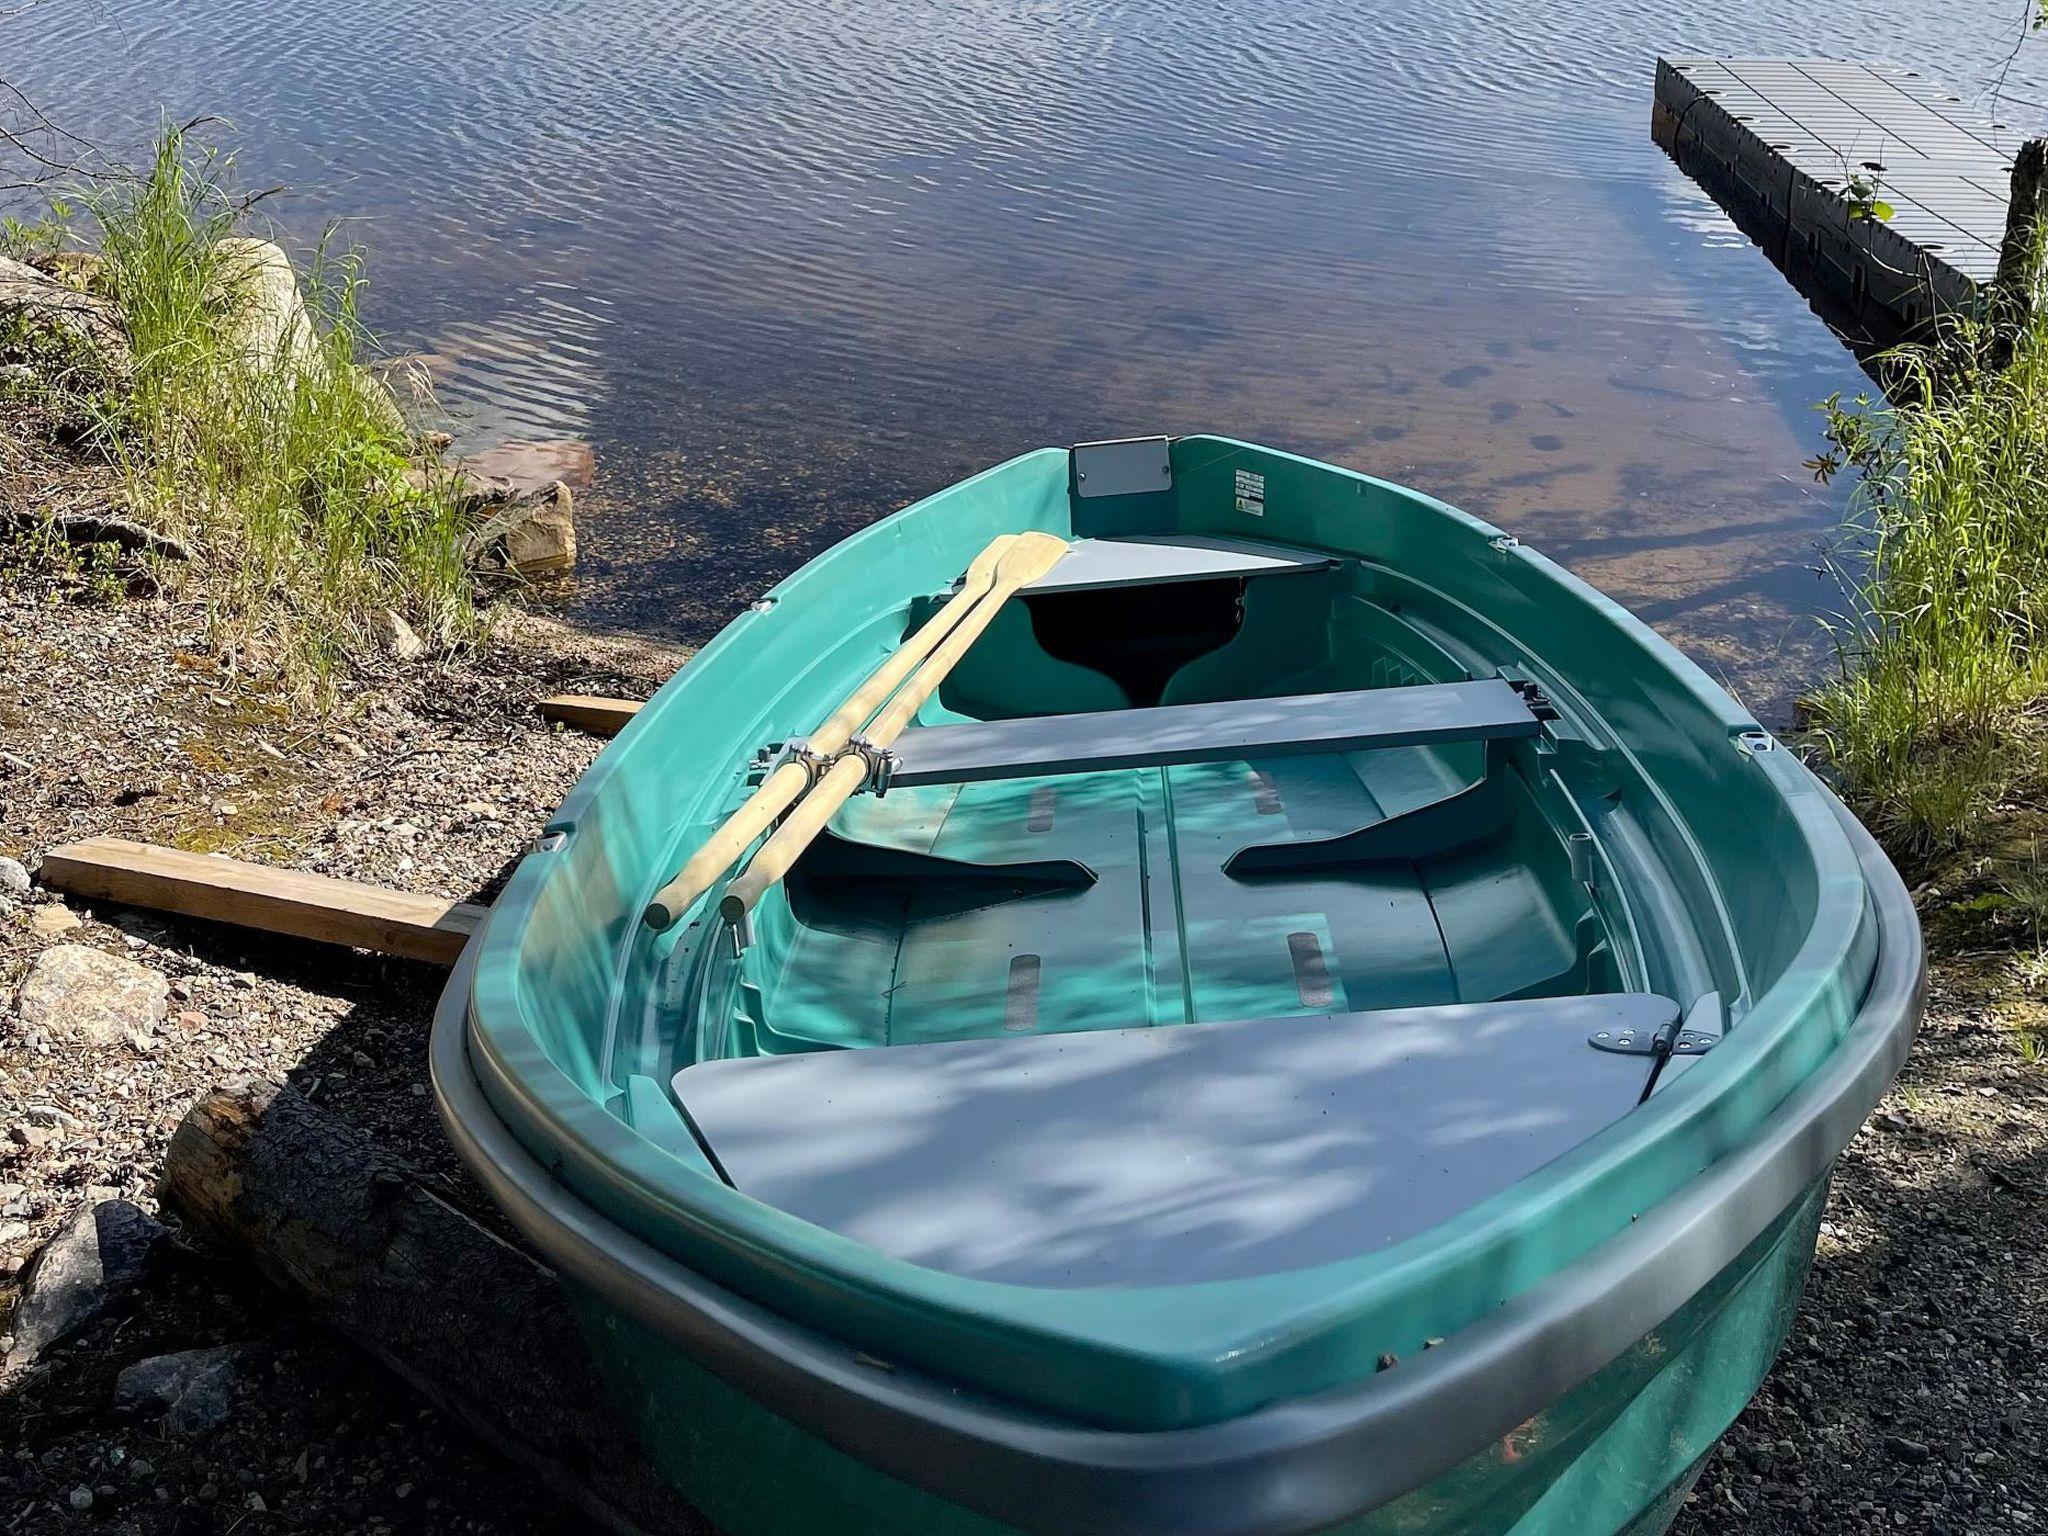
81, 1498
1903, 1448
90, 997
56, 918
14, 877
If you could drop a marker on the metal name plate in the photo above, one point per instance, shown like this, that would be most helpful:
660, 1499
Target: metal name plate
1128, 466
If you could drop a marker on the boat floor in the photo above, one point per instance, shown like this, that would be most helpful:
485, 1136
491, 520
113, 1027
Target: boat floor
1163, 935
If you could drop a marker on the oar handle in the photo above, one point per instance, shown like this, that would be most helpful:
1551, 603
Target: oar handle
1029, 558
782, 788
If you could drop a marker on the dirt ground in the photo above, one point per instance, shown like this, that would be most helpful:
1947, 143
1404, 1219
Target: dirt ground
1913, 1396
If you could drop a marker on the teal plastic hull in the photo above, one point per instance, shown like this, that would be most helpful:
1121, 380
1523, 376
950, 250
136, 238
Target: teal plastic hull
1554, 1354
1617, 1455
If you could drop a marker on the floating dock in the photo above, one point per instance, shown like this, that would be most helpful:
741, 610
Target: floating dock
1777, 141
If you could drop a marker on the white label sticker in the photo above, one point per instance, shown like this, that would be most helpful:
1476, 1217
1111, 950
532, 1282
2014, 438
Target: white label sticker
1251, 493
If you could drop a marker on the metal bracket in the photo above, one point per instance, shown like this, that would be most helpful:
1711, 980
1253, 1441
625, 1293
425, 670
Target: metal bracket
1532, 695
775, 754
880, 762
1674, 1039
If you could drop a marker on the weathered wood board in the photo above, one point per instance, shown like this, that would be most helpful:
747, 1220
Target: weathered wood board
590, 712
257, 896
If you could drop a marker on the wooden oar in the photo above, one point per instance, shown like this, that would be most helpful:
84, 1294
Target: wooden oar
1029, 558
782, 788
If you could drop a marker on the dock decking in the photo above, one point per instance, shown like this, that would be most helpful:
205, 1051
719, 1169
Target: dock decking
1776, 141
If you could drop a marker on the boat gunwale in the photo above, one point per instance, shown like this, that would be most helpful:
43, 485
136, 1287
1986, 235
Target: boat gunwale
1214, 1368
1287, 1468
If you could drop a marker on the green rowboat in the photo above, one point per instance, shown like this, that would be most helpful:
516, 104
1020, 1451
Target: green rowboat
1174, 990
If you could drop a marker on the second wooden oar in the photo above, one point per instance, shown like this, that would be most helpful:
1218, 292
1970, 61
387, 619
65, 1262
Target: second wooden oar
1030, 557
782, 788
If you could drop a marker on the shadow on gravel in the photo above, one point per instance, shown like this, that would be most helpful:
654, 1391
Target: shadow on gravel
308, 1435
1913, 1394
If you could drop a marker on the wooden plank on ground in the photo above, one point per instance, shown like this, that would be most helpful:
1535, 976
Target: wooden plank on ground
284, 901
590, 712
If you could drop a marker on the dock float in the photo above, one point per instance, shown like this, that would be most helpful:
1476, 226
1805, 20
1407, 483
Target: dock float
1793, 149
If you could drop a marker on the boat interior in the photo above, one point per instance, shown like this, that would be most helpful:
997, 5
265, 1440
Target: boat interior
1228, 910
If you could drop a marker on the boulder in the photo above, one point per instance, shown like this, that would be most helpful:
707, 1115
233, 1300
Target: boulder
192, 1390
73, 341
266, 319
532, 536
93, 1263
84, 270
269, 329
85, 995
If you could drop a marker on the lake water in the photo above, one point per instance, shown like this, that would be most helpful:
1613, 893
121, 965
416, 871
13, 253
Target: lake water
789, 265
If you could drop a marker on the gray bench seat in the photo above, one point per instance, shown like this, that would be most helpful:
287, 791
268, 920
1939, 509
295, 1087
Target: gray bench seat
1190, 1152
1226, 731
1144, 560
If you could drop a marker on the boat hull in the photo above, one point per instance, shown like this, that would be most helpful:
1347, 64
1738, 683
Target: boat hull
771, 1431
1552, 1351
1616, 1455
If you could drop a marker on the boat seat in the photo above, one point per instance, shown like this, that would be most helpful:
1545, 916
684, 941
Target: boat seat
1225, 731
1174, 1155
1143, 560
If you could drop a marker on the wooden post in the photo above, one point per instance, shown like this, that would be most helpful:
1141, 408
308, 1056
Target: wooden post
2019, 255
480, 1329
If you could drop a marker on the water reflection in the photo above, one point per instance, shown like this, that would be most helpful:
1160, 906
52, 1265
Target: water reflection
790, 265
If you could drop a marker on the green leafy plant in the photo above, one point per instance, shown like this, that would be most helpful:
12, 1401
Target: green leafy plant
1933, 727
253, 430
1862, 196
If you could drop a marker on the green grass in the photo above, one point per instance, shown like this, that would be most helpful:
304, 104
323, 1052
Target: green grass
1933, 729
286, 466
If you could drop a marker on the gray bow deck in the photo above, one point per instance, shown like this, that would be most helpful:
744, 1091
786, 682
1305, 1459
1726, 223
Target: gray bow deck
1144, 560
1132, 1157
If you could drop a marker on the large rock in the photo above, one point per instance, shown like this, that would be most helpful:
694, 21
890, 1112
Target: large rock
71, 340
192, 1389
531, 536
268, 328
76, 993
96, 1259
266, 320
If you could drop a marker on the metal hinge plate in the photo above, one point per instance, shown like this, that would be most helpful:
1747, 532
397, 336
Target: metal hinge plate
1674, 1039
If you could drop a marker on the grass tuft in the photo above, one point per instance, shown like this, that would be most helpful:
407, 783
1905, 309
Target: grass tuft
251, 429
1934, 727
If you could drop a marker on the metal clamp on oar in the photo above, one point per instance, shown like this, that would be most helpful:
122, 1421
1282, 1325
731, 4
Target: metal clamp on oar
881, 764
798, 752
787, 782
1029, 557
